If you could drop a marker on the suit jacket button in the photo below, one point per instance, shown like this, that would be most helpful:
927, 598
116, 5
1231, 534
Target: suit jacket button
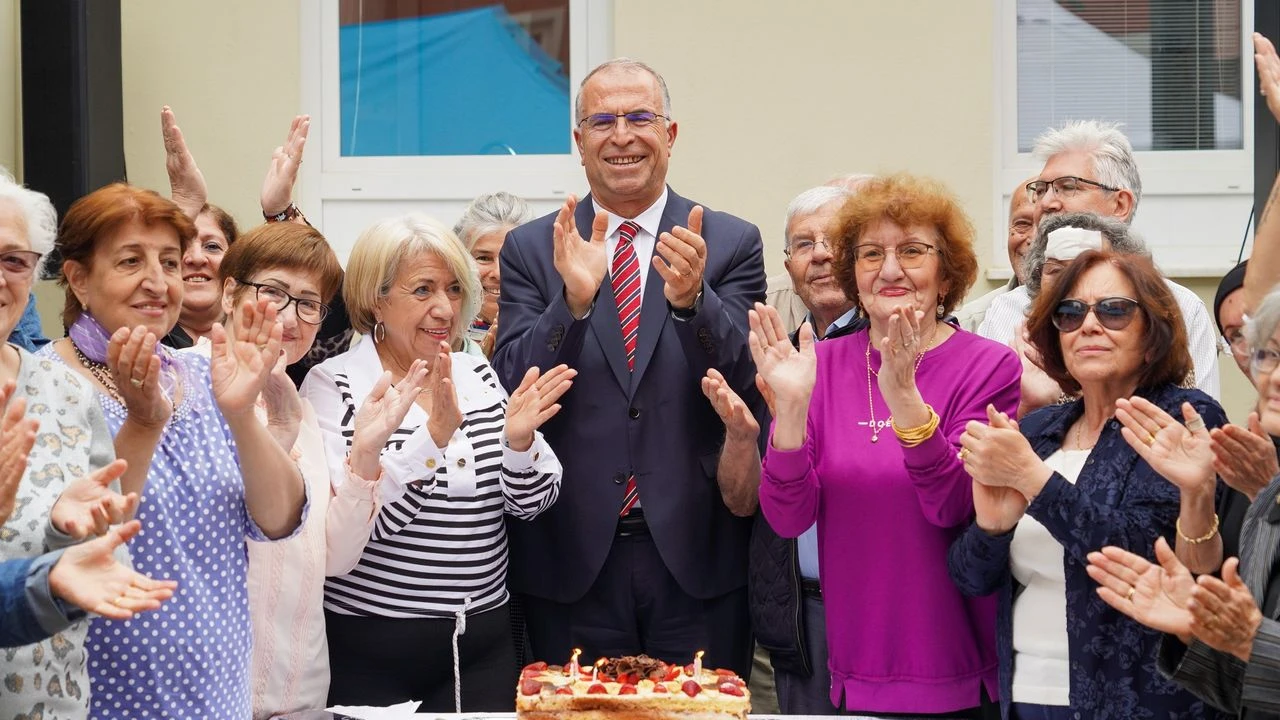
633, 413
619, 478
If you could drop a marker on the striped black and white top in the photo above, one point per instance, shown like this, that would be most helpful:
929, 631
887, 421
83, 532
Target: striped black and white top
439, 540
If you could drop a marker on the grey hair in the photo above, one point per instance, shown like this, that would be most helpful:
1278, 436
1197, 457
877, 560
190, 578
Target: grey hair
1263, 323
809, 202
1112, 154
623, 63
491, 213
1123, 240
852, 182
38, 214
380, 251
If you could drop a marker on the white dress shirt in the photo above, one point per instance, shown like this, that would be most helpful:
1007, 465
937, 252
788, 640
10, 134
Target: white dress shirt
644, 241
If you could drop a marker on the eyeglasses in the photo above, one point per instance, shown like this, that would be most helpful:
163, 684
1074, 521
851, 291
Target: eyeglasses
1113, 313
1067, 186
601, 123
1263, 361
1236, 343
19, 264
309, 311
910, 255
803, 248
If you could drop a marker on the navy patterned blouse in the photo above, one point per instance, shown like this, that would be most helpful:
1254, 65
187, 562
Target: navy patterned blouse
1117, 500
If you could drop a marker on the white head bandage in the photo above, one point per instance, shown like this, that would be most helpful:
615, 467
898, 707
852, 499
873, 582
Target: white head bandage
1068, 243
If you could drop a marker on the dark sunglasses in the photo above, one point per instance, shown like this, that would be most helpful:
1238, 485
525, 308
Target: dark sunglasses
1113, 313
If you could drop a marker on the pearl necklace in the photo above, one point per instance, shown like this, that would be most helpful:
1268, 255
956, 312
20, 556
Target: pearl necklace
871, 405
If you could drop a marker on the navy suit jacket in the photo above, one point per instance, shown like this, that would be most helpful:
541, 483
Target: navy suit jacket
654, 422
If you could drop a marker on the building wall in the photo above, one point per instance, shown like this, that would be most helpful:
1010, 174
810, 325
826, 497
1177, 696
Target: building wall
771, 98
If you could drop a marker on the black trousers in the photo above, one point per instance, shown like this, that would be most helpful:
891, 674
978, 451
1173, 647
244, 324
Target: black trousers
636, 606
383, 661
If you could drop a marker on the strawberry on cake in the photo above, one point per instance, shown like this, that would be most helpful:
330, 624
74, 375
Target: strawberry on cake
638, 687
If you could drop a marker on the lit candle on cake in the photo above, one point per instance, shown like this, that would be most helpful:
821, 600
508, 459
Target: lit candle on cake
697, 664
573, 663
595, 671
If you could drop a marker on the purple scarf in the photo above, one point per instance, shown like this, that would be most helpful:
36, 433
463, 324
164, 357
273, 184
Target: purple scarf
92, 340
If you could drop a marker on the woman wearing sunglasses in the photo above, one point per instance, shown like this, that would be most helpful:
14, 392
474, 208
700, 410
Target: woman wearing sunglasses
1069, 481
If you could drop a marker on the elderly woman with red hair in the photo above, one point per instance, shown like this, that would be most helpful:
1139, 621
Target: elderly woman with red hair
878, 472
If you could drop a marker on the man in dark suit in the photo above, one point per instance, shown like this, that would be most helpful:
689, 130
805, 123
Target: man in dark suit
640, 553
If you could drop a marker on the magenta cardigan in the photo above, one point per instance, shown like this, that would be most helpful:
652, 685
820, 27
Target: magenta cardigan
900, 636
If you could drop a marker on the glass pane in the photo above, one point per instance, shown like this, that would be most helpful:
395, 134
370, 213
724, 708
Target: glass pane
454, 77
1168, 69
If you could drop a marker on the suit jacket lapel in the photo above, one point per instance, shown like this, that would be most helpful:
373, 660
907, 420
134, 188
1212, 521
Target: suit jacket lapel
654, 314
604, 318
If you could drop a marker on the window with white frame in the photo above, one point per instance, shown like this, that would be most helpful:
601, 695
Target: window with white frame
1177, 74
421, 105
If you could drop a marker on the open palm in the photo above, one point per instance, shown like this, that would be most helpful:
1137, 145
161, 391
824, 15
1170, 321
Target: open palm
1181, 456
241, 365
789, 373
1159, 592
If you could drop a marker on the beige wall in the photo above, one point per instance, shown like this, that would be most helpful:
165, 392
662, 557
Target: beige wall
771, 97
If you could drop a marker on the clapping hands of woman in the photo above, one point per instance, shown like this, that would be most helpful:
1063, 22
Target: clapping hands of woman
241, 365
380, 414
790, 374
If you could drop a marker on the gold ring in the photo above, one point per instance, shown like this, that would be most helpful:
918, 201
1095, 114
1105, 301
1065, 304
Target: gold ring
964, 453
1151, 439
135, 382
1129, 597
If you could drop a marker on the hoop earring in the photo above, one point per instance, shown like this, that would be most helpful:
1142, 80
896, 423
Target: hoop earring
379, 332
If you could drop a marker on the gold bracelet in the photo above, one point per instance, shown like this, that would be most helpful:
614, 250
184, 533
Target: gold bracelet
1177, 525
911, 437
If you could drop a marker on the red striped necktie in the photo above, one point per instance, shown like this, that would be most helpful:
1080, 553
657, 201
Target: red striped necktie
626, 294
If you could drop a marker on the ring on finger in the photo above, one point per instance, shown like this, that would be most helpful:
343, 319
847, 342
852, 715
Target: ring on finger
964, 453
136, 382
1195, 424
1129, 596
1150, 439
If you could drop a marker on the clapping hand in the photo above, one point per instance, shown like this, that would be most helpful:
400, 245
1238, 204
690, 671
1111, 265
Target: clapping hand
135, 370
88, 507
443, 417
381, 413
535, 402
998, 508
789, 373
89, 577
738, 421
681, 258
1268, 64
284, 405
997, 454
1224, 614
240, 365
282, 173
17, 437
186, 182
1244, 459
899, 351
582, 265
1181, 454
1154, 595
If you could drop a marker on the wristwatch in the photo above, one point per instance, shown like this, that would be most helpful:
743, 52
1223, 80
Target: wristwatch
688, 313
289, 213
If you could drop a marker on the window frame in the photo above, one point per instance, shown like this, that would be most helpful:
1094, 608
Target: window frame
1188, 175
329, 176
